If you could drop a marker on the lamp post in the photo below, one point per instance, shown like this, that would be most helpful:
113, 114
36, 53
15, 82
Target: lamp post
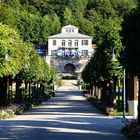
26, 65
124, 94
113, 59
6, 57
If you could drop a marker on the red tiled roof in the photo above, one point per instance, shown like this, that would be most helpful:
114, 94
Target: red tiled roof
94, 46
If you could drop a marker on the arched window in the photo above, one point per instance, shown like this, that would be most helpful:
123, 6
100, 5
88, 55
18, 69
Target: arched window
76, 42
63, 42
69, 43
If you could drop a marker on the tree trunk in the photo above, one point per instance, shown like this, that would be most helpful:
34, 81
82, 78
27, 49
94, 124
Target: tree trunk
10, 90
29, 90
91, 89
3, 91
105, 92
34, 90
26, 88
119, 92
111, 93
26, 91
18, 96
42, 90
114, 89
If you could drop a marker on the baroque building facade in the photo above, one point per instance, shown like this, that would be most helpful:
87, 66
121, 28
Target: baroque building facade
69, 51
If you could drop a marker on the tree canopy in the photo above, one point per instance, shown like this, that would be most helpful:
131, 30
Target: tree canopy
34, 20
9, 44
131, 41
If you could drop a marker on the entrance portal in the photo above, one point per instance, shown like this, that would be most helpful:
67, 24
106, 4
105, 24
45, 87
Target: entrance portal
70, 68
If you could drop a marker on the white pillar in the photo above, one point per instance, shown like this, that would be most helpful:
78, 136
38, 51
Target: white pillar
55, 87
80, 87
133, 96
133, 108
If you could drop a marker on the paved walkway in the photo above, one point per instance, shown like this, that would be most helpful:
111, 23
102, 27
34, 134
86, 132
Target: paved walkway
68, 116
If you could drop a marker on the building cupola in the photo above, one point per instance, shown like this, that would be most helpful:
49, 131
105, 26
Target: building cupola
69, 29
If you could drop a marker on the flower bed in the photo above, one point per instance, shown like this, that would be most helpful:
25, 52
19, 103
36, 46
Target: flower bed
16, 109
6, 113
108, 110
11, 110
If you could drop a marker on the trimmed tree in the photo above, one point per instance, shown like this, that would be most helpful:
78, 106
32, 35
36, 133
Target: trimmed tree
131, 39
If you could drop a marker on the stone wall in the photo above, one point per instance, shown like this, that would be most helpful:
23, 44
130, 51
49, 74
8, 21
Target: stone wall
60, 63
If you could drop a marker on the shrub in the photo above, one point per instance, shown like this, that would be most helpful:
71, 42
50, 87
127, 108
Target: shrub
59, 83
6, 114
17, 108
131, 128
52, 93
36, 101
108, 110
111, 111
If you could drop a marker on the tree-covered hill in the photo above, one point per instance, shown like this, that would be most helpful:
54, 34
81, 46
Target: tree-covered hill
35, 20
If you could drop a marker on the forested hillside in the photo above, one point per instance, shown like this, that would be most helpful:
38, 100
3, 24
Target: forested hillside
35, 20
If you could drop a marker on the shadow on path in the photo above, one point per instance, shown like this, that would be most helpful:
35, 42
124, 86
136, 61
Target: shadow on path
68, 116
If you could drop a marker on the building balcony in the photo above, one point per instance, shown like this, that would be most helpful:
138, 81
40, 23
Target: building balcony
71, 54
70, 57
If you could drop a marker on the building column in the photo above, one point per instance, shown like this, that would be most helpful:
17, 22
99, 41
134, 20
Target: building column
133, 96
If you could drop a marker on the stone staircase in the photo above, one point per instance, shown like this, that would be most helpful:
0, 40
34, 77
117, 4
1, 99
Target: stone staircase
69, 82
